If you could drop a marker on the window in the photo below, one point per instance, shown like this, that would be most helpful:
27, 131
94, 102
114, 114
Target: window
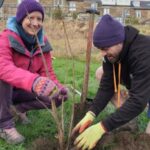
58, 3
94, 6
72, 6
106, 11
138, 13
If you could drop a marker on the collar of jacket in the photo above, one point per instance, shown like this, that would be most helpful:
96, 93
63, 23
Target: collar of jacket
130, 35
20, 47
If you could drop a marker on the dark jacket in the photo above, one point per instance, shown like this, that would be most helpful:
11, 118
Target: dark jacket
135, 75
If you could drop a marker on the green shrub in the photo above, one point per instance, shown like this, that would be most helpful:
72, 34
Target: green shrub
74, 15
132, 20
57, 13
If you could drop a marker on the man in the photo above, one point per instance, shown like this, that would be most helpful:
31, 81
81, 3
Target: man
126, 61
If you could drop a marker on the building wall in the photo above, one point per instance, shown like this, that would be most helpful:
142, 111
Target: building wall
80, 7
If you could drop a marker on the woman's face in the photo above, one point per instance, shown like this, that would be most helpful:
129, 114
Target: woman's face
32, 23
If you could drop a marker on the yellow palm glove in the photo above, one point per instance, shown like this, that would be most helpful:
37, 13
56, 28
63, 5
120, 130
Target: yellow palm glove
84, 123
89, 138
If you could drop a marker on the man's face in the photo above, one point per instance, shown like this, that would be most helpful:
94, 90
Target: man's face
113, 52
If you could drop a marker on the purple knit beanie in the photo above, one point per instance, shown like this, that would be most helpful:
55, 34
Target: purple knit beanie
28, 6
108, 32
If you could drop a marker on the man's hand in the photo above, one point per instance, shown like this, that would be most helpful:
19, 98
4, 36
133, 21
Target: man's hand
89, 138
84, 123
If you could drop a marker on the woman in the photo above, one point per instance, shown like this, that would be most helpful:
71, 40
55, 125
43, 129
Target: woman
23, 80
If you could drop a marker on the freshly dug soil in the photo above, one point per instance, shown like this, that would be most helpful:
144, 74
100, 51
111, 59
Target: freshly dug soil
121, 140
80, 110
43, 143
124, 138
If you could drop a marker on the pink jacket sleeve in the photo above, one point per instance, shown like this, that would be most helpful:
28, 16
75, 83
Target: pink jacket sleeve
9, 72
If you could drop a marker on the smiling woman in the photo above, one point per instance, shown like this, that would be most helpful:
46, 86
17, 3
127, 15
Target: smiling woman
25, 82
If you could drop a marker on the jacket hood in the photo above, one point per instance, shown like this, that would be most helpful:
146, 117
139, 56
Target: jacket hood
130, 35
12, 23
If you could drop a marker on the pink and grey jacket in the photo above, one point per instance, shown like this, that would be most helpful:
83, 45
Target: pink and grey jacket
19, 67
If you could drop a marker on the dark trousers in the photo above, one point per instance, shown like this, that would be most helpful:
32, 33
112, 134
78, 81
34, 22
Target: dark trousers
23, 101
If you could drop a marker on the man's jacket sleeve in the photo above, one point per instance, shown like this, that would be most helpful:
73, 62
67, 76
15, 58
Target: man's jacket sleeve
105, 90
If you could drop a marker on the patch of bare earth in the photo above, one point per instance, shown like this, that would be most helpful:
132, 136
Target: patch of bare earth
121, 140
43, 143
124, 138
